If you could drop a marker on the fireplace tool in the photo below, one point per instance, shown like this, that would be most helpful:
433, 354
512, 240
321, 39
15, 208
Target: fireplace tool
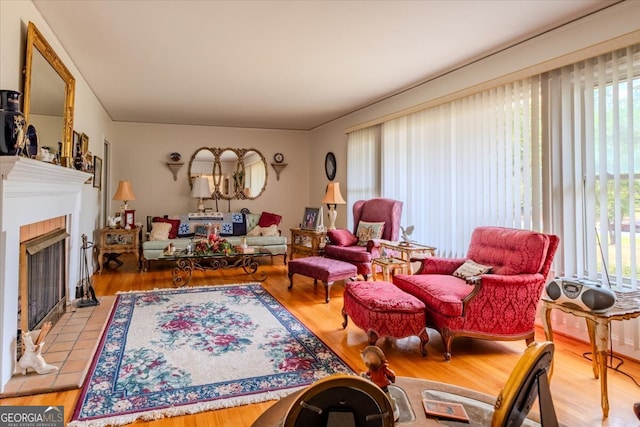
84, 289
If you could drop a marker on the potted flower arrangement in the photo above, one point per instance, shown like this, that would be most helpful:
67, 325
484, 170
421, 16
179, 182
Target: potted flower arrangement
214, 244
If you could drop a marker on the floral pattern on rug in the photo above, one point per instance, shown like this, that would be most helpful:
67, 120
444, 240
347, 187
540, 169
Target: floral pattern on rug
177, 351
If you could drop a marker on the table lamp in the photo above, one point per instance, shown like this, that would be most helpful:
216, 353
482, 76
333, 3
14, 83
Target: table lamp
124, 194
200, 191
333, 198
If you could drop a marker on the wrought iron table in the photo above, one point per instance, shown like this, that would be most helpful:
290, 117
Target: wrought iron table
186, 263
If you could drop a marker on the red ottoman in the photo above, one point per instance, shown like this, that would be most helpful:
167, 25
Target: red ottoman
326, 270
384, 310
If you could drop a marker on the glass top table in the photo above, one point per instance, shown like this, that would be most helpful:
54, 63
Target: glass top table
407, 251
187, 262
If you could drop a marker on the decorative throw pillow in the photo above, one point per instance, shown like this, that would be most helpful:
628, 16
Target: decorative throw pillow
271, 231
267, 219
471, 268
342, 237
159, 231
201, 230
255, 231
175, 225
369, 231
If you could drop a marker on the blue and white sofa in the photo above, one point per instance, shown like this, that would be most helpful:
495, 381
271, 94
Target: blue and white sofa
184, 229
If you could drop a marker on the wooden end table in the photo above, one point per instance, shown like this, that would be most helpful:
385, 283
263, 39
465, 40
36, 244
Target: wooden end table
307, 242
117, 241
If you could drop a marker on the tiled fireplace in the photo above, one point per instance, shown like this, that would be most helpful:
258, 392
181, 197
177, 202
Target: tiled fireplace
32, 193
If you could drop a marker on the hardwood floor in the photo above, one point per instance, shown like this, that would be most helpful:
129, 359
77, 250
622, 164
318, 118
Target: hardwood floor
477, 364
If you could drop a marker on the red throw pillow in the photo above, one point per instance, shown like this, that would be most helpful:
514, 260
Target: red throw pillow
175, 225
342, 237
268, 219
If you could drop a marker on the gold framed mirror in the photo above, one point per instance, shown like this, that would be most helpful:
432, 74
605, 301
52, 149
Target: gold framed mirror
255, 174
234, 173
49, 91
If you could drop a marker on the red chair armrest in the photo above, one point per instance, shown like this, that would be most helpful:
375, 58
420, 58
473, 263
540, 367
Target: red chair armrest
486, 284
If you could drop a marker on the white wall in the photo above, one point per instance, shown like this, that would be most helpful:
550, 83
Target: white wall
140, 154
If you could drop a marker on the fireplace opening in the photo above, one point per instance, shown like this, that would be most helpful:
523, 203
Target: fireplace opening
42, 296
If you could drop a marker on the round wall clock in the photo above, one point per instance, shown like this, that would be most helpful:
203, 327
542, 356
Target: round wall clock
330, 166
278, 158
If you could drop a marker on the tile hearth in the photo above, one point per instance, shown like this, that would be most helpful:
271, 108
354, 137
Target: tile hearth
70, 345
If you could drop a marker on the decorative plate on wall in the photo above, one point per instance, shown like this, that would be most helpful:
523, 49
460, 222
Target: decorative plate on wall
330, 166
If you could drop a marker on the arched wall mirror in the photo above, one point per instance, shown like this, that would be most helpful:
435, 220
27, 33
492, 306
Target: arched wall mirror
49, 90
233, 173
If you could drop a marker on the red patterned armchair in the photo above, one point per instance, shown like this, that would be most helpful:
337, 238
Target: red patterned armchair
463, 300
344, 245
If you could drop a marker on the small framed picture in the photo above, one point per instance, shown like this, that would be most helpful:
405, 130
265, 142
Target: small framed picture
310, 219
129, 219
84, 143
76, 145
97, 172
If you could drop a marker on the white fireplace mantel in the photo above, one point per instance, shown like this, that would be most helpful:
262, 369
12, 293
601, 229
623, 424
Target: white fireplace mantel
32, 191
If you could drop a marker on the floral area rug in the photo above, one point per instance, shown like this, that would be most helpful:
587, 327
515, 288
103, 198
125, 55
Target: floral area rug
182, 351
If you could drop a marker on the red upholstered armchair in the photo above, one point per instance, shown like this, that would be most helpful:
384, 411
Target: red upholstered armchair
343, 244
498, 305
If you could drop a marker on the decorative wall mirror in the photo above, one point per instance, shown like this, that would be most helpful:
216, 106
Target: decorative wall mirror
49, 91
255, 173
234, 173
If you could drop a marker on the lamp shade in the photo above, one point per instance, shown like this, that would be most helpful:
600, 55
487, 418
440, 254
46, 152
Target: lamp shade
333, 196
201, 187
124, 192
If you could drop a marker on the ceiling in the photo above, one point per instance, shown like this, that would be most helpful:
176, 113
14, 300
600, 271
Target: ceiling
281, 64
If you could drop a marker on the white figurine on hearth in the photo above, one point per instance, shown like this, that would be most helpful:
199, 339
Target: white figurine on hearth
32, 357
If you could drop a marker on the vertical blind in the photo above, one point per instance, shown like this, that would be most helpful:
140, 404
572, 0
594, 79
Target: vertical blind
363, 151
594, 147
471, 162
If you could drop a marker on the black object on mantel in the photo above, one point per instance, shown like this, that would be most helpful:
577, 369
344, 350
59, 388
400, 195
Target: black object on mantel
84, 289
12, 124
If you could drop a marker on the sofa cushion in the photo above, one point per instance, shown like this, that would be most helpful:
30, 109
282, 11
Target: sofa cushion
160, 231
441, 293
252, 221
471, 268
342, 237
369, 231
175, 225
267, 219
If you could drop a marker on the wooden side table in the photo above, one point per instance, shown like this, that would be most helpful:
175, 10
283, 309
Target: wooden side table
118, 241
307, 242
406, 252
389, 267
598, 325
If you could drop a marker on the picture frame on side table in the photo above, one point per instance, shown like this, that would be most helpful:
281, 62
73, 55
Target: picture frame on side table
310, 218
129, 219
97, 172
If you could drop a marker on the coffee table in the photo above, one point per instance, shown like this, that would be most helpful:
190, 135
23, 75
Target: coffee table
186, 263
478, 405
